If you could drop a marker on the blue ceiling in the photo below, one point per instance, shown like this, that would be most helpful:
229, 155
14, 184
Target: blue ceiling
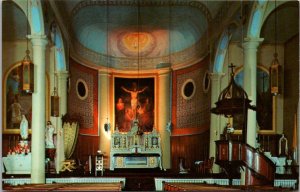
184, 24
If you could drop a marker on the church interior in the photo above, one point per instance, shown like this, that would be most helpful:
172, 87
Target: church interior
150, 95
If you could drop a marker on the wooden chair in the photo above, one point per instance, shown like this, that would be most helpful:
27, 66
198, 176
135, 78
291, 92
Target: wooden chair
204, 167
208, 165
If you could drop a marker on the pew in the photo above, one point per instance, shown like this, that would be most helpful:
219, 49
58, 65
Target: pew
211, 187
67, 187
196, 187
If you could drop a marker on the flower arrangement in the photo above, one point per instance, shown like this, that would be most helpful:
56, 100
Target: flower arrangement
21, 148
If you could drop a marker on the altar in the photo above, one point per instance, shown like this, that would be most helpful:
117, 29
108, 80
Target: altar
135, 150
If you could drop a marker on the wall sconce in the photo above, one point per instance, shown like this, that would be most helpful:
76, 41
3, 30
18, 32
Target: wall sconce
169, 127
106, 127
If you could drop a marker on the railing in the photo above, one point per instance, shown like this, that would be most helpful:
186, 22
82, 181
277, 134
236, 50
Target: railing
233, 154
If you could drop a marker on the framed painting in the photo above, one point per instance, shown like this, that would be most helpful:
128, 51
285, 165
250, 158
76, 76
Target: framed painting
264, 101
16, 102
134, 99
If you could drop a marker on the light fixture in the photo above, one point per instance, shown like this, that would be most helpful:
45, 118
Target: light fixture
54, 96
106, 125
275, 68
27, 66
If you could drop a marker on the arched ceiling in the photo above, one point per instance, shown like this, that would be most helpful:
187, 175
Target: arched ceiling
126, 32
145, 31
150, 30
283, 28
14, 22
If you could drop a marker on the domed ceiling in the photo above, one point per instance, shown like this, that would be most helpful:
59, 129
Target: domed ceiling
131, 30
152, 31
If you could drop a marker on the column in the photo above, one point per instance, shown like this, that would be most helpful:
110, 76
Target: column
215, 120
62, 77
104, 112
38, 110
163, 115
250, 63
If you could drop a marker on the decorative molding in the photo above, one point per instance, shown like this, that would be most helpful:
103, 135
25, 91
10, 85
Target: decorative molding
195, 4
189, 55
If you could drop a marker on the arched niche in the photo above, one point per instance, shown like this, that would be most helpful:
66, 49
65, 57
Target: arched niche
264, 102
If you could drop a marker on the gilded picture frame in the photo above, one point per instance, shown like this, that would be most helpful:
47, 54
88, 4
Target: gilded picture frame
134, 98
15, 102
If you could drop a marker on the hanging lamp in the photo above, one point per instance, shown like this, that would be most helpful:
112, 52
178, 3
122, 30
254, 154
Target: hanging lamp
27, 66
54, 95
275, 68
106, 125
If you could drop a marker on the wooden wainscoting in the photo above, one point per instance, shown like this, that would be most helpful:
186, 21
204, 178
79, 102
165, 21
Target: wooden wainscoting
191, 148
86, 145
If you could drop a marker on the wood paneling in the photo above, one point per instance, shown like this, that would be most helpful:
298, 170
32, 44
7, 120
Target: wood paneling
86, 145
269, 142
191, 148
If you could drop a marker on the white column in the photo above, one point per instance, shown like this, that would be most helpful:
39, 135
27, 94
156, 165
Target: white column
164, 114
62, 77
250, 63
38, 110
104, 111
215, 125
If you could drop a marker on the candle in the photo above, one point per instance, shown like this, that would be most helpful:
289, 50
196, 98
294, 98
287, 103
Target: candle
90, 164
9, 142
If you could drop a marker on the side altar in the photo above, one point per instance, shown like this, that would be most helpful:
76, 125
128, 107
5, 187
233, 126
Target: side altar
135, 149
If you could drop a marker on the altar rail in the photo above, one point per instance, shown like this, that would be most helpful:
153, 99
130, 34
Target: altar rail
284, 183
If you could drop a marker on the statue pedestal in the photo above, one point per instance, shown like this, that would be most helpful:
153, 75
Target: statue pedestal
50, 155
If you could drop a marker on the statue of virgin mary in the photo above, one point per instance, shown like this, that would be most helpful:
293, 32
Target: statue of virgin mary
24, 128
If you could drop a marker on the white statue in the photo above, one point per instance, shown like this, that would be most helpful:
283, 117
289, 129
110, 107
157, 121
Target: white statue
24, 128
49, 135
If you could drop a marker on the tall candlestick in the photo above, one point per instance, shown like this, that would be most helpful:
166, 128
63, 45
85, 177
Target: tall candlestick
90, 164
9, 147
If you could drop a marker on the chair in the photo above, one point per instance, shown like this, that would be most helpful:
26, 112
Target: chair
208, 165
71, 129
204, 167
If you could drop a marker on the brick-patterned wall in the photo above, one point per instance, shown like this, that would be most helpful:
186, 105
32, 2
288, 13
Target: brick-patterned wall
190, 116
86, 110
291, 85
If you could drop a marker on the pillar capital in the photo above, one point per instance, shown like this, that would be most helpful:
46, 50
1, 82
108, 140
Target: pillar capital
164, 71
38, 40
216, 76
252, 43
103, 72
62, 74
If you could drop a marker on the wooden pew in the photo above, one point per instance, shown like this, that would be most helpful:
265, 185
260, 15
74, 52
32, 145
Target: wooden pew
209, 187
67, 187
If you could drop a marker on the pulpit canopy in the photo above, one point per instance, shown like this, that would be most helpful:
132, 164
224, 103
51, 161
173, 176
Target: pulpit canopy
232, 100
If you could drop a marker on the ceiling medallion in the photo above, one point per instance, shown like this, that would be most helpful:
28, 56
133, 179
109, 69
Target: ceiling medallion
136, 43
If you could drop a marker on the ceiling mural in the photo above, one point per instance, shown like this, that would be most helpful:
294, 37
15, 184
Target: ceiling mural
138, 44
183, 25
122, 33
